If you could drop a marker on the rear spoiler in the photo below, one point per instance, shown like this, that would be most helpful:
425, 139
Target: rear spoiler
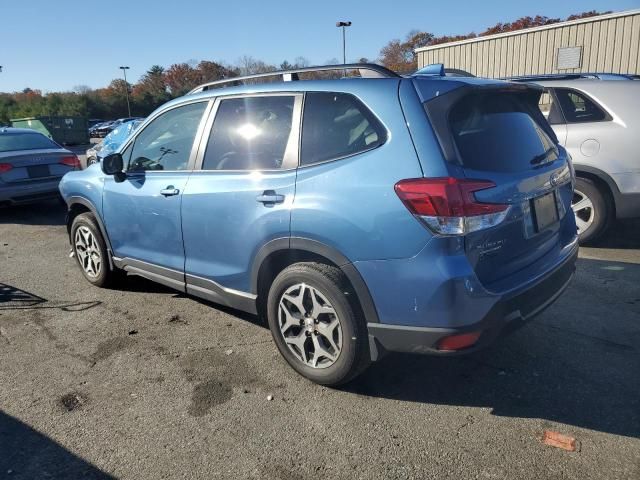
440, 105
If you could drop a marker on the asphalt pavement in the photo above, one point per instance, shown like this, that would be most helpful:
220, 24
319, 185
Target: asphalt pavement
142, 382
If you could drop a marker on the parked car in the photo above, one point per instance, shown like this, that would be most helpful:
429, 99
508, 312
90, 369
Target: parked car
597, 119
31, 166
104, 130
100, 130
422, 214
111, 142
93, 122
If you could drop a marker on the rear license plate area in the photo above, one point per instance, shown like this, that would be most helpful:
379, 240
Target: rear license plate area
38, 171
545, 211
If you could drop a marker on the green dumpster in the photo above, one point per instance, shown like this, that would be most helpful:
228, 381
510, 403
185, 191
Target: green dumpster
64, 130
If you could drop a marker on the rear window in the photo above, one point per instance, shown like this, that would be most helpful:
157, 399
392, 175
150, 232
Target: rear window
336, 125
24, 141
578, 108
499, 132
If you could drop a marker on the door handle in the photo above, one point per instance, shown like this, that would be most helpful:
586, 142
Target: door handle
270, 197
169, 191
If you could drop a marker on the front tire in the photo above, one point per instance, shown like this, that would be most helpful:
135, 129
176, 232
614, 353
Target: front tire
90, 250
591, 208
316, 323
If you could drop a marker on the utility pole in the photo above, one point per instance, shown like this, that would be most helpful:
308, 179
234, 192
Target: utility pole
344, 26
126, 86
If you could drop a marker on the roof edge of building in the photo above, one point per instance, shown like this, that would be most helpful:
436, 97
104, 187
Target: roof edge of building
606, 16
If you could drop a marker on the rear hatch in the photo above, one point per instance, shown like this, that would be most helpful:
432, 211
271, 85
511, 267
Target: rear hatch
495, 133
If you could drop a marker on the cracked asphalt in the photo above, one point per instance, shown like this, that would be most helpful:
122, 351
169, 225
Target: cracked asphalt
142, 382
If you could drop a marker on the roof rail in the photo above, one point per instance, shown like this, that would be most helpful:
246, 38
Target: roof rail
571, 76
533, 78
366, 70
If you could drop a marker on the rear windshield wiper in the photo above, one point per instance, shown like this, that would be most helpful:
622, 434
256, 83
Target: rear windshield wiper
543, 156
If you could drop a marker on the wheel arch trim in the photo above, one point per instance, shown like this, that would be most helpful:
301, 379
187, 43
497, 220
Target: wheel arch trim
603, 177
323, 250
77, 200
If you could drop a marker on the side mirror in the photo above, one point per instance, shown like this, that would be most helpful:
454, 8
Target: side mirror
112, 164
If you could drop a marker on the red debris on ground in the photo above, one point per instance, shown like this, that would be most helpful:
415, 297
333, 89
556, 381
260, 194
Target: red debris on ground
559, 440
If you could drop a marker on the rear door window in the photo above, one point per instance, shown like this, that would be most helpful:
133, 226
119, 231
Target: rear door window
337, 125
499, 132
578, 107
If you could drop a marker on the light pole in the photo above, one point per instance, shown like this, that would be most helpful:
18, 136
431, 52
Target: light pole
126, 86
344, 25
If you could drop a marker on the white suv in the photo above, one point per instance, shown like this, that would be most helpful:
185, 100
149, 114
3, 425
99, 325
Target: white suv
598, 122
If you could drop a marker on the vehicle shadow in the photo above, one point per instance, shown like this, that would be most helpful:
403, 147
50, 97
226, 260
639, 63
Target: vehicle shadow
575, 364
622, 234
26, 453
135, 283
49, 212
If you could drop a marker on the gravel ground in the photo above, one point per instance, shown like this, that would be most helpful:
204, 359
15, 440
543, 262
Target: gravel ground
142, 382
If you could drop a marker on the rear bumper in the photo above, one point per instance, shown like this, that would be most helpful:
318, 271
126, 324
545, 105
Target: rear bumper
509, 313
11, 194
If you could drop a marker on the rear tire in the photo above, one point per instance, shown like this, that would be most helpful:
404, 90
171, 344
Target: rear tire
316, 323
90, 251
592, 210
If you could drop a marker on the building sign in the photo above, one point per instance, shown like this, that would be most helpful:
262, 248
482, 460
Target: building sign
569, 57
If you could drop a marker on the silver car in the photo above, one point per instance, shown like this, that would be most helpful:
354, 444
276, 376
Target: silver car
598, 121
31, 166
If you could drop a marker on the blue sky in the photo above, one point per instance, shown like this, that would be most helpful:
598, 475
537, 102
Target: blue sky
55, 45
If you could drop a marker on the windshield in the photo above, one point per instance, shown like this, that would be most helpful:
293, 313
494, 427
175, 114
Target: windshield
24, 141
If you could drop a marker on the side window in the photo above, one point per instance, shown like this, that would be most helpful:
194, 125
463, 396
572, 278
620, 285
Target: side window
336, 125
549, 108
578, 108
252, 133
165, 144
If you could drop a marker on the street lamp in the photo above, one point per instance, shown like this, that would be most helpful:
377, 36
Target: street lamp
344, 25
126, 86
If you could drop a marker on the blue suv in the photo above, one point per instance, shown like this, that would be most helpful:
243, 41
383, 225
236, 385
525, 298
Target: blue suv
420, 214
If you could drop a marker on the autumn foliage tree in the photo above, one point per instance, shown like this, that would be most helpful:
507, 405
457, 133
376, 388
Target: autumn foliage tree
399, 55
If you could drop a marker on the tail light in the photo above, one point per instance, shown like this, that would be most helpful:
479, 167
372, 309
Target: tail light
5, 167
71, 161
448, 206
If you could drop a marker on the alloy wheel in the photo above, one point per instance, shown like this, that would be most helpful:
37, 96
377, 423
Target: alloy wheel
310, 326
88, 251
583, 209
